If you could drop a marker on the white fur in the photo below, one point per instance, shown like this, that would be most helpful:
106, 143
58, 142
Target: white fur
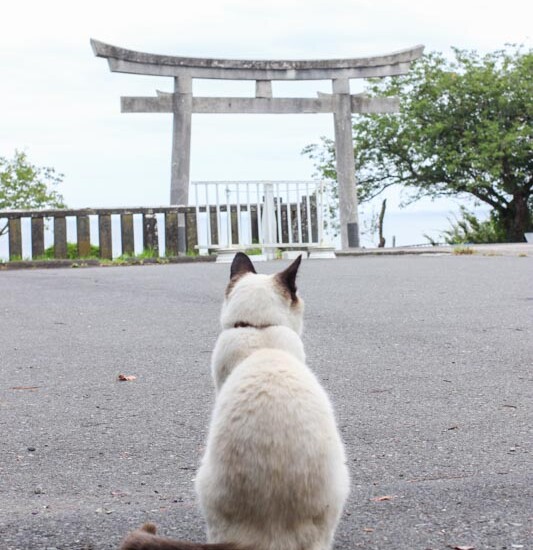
259, 303
274, 473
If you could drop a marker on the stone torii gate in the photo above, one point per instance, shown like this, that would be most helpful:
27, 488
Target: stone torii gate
183, 104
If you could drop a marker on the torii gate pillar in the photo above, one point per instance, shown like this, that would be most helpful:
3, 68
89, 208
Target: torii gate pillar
181, 140
345, 164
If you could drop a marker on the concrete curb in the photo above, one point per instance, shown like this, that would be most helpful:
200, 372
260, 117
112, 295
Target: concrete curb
499, 249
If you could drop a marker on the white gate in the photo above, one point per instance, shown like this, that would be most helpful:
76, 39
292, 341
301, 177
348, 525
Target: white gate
258, 214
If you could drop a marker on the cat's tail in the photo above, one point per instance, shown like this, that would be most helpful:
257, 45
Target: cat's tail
145, 538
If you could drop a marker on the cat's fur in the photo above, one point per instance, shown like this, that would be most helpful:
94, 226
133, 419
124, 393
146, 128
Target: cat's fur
273, 476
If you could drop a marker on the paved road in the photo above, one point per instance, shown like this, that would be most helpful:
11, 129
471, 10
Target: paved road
427, 359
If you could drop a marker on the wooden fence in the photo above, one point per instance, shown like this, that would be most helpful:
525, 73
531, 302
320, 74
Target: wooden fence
174, 241
57, 219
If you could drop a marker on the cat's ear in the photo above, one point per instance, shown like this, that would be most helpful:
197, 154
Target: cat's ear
288, 277
241, 264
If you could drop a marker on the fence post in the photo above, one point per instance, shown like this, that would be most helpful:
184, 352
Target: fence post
150, 237
126, 233
191, 227
212, 213
15, 239
234, 213
104, 233
60, 237
314, 217
171, 234
37, 237
253, 221
83, 230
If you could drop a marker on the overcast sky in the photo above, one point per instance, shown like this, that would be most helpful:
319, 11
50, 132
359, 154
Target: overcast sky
61, 104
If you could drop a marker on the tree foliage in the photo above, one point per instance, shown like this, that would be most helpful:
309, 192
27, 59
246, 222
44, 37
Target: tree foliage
468, 229
26, 186
464, 129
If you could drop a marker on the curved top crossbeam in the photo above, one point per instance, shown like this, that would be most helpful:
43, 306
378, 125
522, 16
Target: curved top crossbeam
130, 61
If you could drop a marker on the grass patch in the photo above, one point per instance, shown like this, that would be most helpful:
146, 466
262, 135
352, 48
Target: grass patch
463, 250
147, 253
72, 253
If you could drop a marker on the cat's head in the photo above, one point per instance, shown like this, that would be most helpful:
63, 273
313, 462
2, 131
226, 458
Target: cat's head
258, 300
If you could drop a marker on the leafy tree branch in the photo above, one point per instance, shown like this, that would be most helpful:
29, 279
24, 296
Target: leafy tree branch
26, 186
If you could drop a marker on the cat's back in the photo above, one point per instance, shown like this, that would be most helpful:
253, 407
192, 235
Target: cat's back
272, 407
270, 375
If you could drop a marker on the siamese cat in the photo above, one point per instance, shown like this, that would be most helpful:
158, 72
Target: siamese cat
274, 474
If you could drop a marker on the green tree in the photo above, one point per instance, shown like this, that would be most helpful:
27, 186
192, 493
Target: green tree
26, 186
464, 129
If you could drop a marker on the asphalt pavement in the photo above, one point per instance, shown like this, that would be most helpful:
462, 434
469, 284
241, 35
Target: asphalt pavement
428, 361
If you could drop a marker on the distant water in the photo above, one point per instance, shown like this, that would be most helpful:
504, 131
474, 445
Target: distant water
408, 228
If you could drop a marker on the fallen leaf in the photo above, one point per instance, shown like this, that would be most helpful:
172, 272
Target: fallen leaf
381, 499
28, 388
126, 378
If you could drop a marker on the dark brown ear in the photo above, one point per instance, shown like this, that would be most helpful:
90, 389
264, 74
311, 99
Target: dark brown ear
288, 277
241, 264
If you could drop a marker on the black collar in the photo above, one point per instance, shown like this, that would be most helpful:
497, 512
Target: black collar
242, 324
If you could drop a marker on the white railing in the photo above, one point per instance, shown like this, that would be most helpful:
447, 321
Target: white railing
265, 214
